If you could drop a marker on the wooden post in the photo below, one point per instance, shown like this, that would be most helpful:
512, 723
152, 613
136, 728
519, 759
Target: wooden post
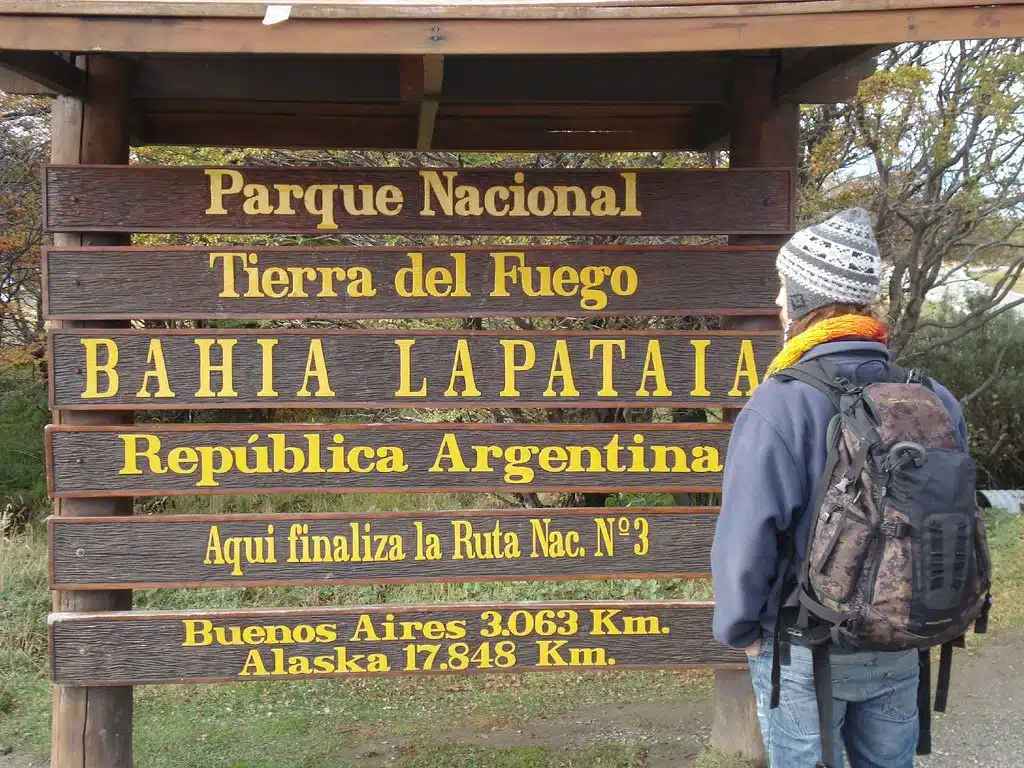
92, 727
762, 132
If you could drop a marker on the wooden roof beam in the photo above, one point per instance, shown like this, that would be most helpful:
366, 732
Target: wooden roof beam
433, 77
818, 76
451, 132
671, 78
52, 73
19, 85
818, 71
710, 27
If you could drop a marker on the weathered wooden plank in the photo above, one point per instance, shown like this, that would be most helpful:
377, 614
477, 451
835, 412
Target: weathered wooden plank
696, 28
335, 79
194, 283
252, 550
92, 727
422, 368
52, 72
175, 459
453, 9
210, 646
399, 200
249, 77
329, 131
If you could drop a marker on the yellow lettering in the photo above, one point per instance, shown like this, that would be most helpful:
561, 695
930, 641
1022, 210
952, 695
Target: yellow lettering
207, 368
257, 199
512, 367
316, 366
700, 347
607, 362
747, 368
325, 208
218, 191
653, 367
267, 348
132, 454
449, 450
405, 371
197, 632
462, 368
432, 187
93, 368
562, 368
155, 358
228, 270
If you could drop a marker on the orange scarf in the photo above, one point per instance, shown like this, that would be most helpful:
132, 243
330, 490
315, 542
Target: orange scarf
844, 326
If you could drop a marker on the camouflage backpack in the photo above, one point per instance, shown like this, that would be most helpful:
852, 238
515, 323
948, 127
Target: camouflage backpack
897, 555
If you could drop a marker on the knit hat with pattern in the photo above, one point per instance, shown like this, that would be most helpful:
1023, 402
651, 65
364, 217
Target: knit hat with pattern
834, 262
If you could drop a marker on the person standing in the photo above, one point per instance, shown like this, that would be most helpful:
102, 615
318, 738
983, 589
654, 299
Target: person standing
830, 278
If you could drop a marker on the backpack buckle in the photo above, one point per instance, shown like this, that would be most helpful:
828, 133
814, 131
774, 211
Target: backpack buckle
895, 528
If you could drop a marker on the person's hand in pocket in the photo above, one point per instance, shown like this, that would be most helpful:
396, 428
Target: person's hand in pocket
754, 649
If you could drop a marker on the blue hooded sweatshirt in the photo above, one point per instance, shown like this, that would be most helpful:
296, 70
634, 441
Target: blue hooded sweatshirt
773, 465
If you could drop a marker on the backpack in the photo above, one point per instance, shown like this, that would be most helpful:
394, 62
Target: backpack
897, 554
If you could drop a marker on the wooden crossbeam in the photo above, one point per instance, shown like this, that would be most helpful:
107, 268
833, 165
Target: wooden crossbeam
54, 73
813, 70
824, 75
711, 28
433, 77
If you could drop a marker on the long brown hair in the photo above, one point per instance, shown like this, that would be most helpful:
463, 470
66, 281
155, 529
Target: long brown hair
831, 310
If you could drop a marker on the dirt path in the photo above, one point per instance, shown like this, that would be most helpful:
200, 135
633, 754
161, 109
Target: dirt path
983, 726
984, 720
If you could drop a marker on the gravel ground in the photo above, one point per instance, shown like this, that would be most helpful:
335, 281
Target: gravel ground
984, 720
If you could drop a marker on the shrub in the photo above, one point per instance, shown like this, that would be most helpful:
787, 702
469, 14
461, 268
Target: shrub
995, 417
24, 412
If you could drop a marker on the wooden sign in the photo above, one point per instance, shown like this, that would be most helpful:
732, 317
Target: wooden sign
134, 648
171, 459
507, 281
95, 198
335, 368
252, 550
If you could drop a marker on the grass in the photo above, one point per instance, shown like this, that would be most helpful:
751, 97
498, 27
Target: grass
473, 721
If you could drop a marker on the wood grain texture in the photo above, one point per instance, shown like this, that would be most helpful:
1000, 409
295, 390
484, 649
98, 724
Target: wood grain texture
176, 551
423, 368
140, 648
158, 283
704, 29
455, 9
174, 199
91, 461
49, 70
763, 132
452, 133
90, 726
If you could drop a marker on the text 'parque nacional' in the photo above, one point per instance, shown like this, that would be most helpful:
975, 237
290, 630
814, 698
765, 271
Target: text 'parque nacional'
442, 200
170, 369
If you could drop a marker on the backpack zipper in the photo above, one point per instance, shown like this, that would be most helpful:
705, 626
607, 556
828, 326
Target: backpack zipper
879, 536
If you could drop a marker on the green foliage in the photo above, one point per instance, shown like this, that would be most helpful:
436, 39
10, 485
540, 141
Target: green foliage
995, 418
23, 414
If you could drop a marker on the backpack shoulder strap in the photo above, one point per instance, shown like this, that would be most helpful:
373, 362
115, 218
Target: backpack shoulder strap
909, 376
818, 373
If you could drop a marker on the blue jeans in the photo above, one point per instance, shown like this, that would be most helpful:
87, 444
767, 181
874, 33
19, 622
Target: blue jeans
875, 709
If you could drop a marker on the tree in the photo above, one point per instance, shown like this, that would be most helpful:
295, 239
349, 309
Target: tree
933, 146
24, 147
